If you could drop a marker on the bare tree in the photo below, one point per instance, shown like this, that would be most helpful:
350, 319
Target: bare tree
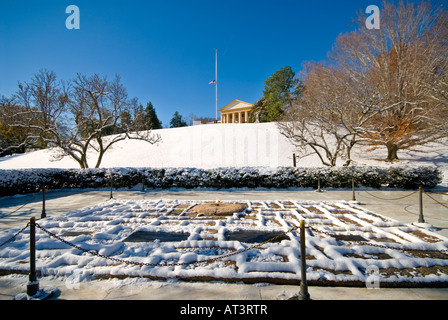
89, 114
436, 51
398, 64
318, 120
335, 104
12, 139
41, 106
382, 87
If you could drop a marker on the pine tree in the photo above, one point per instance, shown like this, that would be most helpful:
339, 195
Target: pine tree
151, 119
177, 121
280, 91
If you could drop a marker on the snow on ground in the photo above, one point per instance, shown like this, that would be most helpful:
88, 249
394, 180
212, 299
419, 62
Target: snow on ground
333, 255
344, 244
225, 145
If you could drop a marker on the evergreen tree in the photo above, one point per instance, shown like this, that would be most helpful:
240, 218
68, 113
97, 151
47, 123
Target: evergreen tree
126, 120
258, 112
151, 119
281, 89
177, 121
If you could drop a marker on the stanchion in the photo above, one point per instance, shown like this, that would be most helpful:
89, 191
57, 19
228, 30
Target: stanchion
32, 289
44, 213
318, 184
303, 294
111, 191
33, 285
421, 219
353, 189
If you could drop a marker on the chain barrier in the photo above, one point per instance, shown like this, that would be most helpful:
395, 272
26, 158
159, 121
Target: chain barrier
146, 264
21, 207
212, 260
434, 199
207, 261
14, 236
403, 197
362, 243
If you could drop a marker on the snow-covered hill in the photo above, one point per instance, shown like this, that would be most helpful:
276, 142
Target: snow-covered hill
224, 145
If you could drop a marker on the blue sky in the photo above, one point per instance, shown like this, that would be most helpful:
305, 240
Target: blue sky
164, 50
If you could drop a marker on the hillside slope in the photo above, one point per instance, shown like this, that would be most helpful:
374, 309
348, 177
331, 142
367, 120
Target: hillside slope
224, 145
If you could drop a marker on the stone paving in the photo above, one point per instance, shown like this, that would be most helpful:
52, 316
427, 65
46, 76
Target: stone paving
328, 220
344, 244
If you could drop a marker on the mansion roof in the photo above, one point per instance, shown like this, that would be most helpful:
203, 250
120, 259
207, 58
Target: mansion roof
236, 105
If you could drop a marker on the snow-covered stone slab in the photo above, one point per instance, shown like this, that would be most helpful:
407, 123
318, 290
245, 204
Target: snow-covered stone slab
344, 244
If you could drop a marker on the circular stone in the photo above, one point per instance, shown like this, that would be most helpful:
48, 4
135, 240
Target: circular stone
219, 209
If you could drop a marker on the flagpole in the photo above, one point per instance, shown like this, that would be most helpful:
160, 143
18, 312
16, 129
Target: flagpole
216, 82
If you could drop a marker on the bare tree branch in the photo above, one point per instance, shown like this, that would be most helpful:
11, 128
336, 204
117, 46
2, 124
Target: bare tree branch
74, 117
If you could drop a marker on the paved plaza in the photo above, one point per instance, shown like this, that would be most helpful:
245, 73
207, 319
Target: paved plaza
402, 206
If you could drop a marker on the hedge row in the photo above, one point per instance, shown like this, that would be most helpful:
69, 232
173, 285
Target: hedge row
32, 180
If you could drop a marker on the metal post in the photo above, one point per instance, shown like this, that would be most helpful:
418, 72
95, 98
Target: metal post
216, 82
111, 191
294, 160
44, 213
421, 219
303, 294
353, 189
318, 184
33, 285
